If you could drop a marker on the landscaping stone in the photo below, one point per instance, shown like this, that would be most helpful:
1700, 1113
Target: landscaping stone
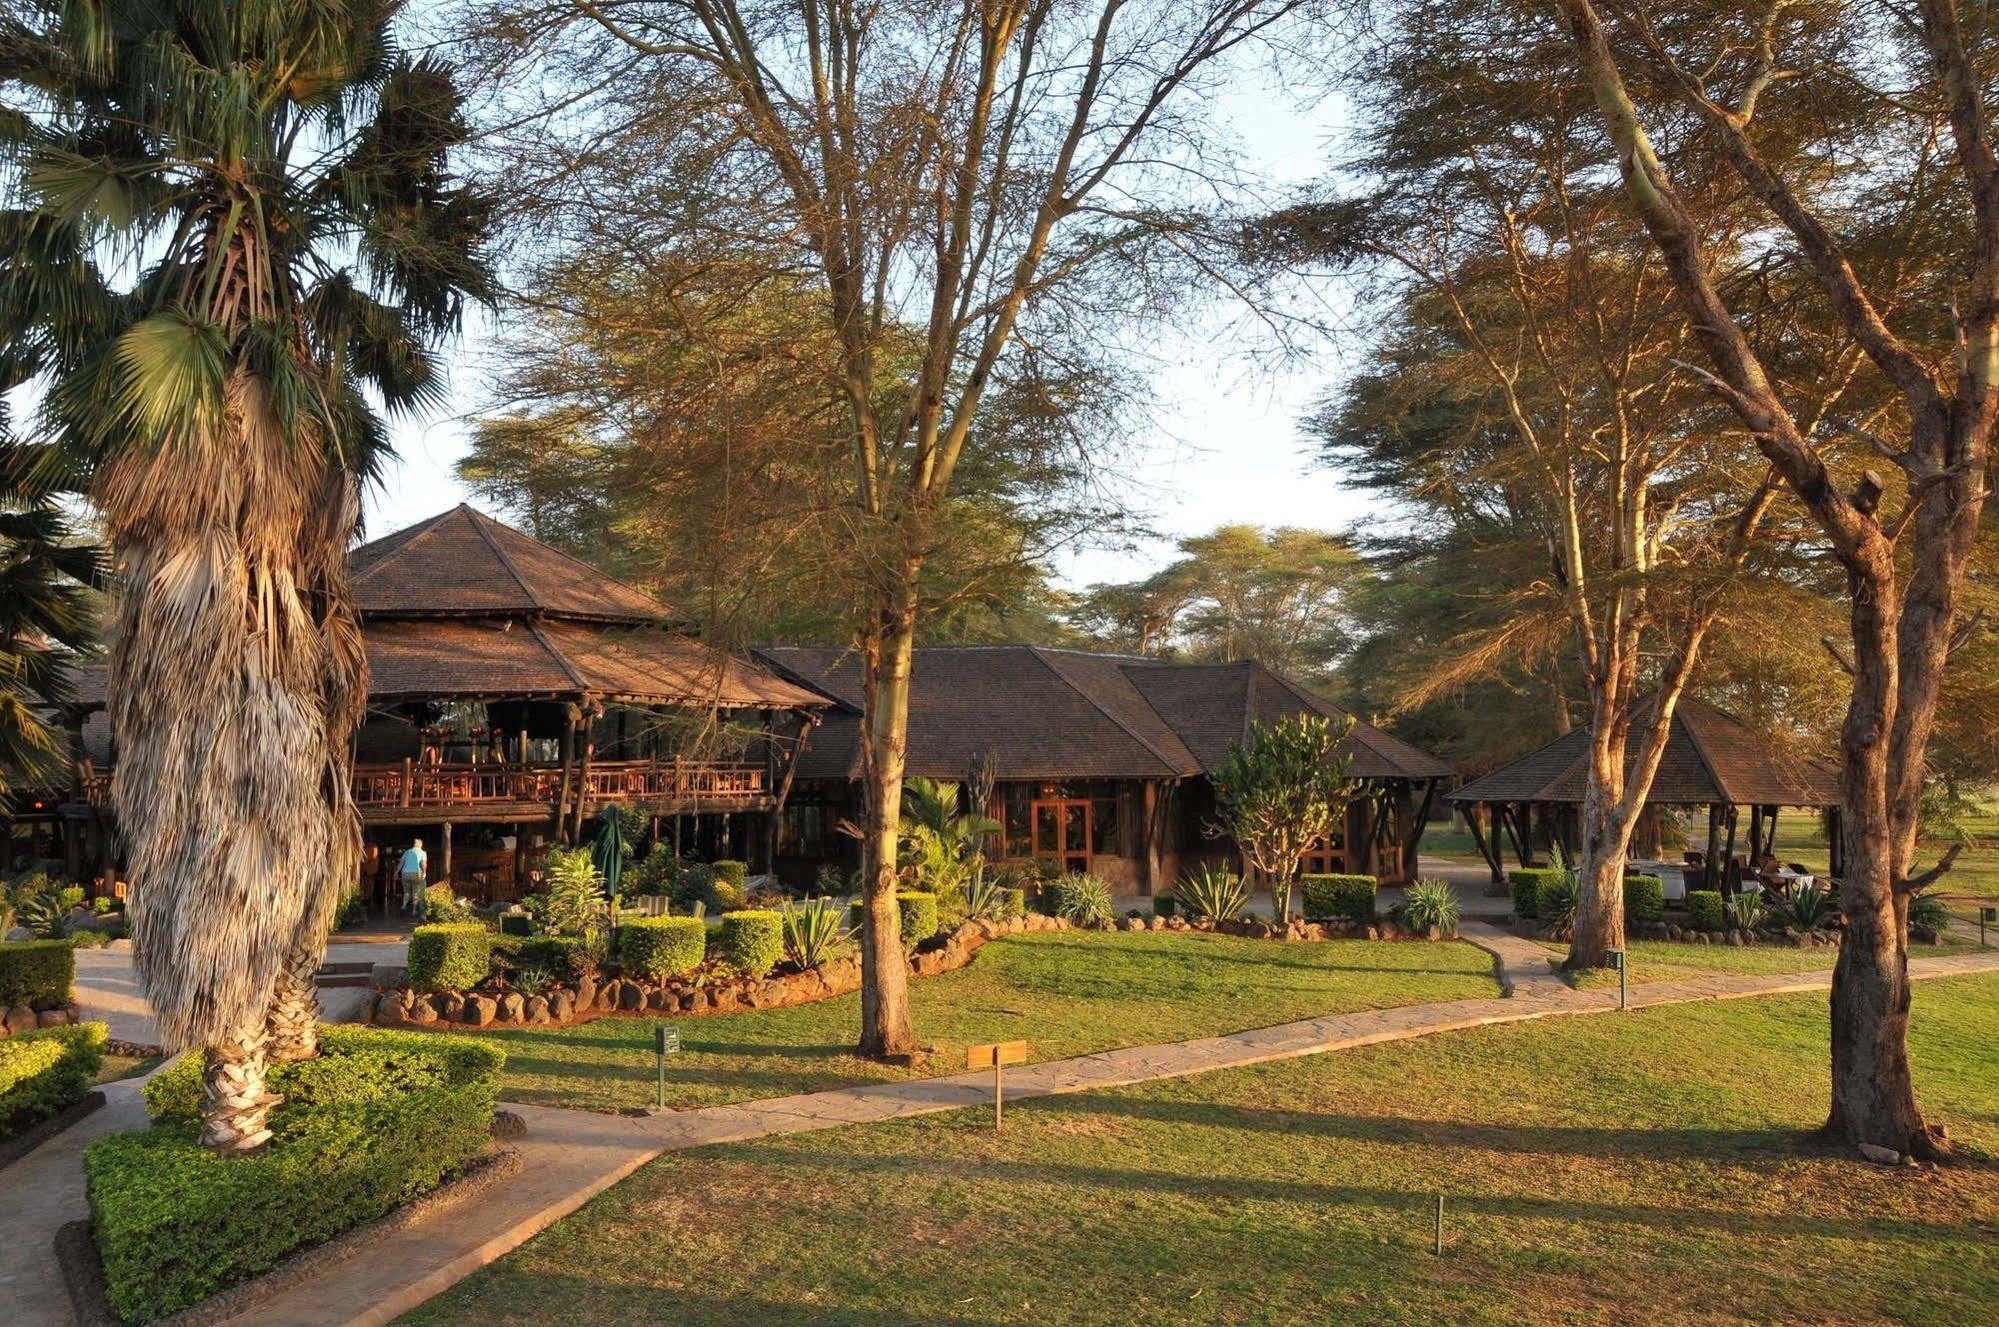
1882, 1156
631, 995
54, 1018
19, 1019
607, 997
536, 1011
513, 1007
479, 1010
561, 1007
422, 1013
659, 1000
724, 999
586, 993
454, 1006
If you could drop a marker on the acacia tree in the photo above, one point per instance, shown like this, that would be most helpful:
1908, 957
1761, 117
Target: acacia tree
227, 219
1755, 85
1530, 310
986, 178
1280, 790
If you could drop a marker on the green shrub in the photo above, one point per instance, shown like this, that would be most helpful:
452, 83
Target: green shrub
88, 938
103, 904
731, 872
1429, 904
813, 932
46, 1071
567, 957
662, 946
724, 896
1163, 906
440, 905
70, 896
751, 942
1644, 898
1705, 911
1083, 900
378, 1118
1212, 891
1348, 896
1527, 883
1928, 910
45, 916
1012, 903
453, 957
1805, 907
1557, 902
916, 911
36, 973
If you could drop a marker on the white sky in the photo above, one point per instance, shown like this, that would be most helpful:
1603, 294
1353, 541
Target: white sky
1224, 445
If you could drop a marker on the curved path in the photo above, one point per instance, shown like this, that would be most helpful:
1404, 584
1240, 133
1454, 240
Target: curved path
571, 1156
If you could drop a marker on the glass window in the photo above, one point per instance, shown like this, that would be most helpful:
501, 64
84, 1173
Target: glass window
1019, 802
1103, 827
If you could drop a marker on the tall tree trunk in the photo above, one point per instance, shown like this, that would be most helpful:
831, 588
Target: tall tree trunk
1600, 871
235, 1104
886, 1029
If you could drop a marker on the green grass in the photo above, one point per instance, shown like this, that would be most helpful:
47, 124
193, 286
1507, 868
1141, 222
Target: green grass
1666, 960
1067, 993
116, 1067
1643, 1168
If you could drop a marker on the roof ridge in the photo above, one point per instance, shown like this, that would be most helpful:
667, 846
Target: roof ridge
555, 653
1128, 730
414, 534
479, 524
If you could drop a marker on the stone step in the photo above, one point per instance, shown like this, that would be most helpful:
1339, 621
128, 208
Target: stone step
330, 980
328, 969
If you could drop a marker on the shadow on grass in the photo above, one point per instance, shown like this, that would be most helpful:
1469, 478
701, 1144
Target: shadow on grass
542, 1298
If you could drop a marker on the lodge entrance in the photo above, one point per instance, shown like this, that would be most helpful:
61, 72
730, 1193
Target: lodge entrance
1062, 832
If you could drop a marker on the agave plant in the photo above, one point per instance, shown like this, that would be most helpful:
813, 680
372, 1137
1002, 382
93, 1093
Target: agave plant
1806, 906
1211, 891
233, 226
1431, 905
983, 897
814, 932
1747, 911
45, 916
1929, 910
1556, 903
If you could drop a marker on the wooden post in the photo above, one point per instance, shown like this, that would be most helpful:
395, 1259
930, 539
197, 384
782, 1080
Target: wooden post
1712, 877
1489, 851
444, 856
784, 790
1728, 856
408, 773
583, 776
568, 759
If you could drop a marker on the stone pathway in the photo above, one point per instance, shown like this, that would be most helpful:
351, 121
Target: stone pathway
571, 1156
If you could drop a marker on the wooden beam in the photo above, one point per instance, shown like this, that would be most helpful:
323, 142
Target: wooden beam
1473, 813
807, 723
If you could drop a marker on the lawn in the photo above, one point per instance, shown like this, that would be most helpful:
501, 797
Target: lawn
1645, 1168
1067, 993
1665, 960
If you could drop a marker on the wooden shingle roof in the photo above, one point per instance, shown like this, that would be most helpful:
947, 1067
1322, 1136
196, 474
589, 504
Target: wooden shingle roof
1046, 713
1710, 758
463, 563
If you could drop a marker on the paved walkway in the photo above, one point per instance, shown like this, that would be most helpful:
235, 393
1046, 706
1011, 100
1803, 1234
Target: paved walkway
571, 1156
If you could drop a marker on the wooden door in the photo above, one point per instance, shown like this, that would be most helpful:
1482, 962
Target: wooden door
1062, 833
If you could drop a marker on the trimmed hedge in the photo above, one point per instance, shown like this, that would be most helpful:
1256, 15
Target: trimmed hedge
377, 1119
1163, 905
1348, 896
1644, 898
455, 956
1012, 904
751, 942
1705, 911
1527, 884
662, 946
916, 915
566, 957
45, 1072
37, 973
731, 872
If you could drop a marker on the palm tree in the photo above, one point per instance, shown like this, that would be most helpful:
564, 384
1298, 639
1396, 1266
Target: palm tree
229, 219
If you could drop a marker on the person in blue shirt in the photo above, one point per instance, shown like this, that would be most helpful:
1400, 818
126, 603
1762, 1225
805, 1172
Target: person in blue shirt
415, 867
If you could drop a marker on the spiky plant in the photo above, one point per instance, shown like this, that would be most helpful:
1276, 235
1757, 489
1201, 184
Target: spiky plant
228, 220
48, 613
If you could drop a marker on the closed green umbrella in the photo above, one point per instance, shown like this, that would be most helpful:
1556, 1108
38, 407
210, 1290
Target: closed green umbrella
610, 849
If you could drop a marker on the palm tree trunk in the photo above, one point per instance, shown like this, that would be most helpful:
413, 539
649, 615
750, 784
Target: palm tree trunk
235, 1104
293, 1023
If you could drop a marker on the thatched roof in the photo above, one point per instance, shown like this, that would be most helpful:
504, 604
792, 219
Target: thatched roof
462, 563
1070, 714
1711, 758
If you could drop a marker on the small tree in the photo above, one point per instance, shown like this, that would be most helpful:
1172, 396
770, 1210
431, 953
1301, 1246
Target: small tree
1282, 789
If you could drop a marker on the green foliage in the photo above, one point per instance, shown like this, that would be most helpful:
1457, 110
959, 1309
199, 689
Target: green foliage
655, 872
530, 978
1211, 891
1163, 906
1431, 904
46, 1071
574, 903
724, 896
656, 947
1747, 911
1527, 884
813, 932
1012, 903
916, 916
982, 893
1705, 911
377, 1119
1348, 896
455, 956
88, 938
37, 973
1557, 902
565, 956
733, 873
1282, 789
751, 942
445, 908
45, 915
1928, 910
1805, 907
1084, 900
1644, 898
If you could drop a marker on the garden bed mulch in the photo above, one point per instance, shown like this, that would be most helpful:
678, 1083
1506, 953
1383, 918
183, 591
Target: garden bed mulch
32, 1137
83, 1269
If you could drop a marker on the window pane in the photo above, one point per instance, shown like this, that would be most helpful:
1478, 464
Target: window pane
1047, 828
1103, 827
1076, 822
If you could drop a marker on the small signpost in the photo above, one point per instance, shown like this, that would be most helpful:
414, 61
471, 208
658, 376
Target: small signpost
997, 1055
1985, 915
666, 1041
1616, 957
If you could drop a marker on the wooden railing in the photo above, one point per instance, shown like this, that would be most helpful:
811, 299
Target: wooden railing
412, 784
417, 784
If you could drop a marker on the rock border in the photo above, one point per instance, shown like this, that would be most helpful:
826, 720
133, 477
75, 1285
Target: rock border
22, 1018
1527, 928
83, 1267
32, 1137
574, 1003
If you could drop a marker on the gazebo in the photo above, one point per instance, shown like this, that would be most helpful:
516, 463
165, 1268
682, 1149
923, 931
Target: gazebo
1712, 760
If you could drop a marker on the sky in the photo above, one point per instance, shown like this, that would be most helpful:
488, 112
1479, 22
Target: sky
1222, 443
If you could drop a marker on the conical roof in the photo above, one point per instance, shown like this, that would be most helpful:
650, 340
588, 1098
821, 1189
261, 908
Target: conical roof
1711, 758
464, 563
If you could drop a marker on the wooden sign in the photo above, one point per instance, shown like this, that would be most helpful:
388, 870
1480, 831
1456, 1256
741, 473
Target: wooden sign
997, 1054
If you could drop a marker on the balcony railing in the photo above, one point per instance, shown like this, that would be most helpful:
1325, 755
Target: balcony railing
415, 784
